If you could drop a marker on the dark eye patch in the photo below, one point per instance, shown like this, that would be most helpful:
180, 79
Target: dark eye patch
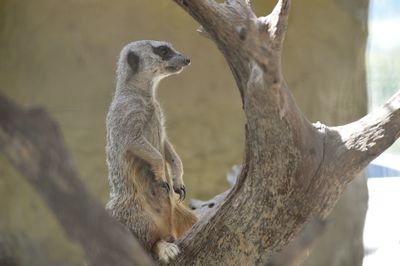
164, 52
133, 61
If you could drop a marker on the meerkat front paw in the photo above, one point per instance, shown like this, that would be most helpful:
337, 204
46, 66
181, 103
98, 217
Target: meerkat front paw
165, 185
181, 190
166, 251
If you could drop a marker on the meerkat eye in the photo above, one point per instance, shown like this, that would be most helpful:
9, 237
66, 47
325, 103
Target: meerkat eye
164, 52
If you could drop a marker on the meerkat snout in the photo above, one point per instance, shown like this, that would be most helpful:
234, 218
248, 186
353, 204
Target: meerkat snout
187, 61
177, 63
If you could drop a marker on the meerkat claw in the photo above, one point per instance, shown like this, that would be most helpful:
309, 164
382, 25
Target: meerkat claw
165, 185
181, 191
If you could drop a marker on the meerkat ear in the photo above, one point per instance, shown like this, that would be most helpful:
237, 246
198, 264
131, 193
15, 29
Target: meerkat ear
133, 61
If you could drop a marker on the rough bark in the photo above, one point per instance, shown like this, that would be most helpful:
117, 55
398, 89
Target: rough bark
328, 39
293, 171
294, 253
34, 146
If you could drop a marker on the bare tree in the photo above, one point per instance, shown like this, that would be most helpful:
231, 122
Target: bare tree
293, 171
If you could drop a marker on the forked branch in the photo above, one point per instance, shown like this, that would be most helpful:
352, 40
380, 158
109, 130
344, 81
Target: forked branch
293, 170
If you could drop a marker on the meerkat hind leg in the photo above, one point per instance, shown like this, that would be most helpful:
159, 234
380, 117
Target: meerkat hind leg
165, 251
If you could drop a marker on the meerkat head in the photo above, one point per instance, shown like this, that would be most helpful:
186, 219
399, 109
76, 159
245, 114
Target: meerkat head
149, 60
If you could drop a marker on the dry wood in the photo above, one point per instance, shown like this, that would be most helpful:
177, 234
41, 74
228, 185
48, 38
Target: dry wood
293, 171
294, 253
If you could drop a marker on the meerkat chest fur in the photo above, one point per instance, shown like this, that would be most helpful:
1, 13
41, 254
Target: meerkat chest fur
154, 127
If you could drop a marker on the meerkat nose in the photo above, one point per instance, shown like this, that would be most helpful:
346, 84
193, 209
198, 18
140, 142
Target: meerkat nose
186, 61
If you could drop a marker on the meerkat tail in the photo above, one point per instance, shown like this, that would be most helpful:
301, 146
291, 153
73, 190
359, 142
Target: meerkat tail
184, 218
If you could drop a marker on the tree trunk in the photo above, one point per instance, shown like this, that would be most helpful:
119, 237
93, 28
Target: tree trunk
335, 32
292, 171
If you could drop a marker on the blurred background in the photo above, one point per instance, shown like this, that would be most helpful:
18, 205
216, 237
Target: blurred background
62, 55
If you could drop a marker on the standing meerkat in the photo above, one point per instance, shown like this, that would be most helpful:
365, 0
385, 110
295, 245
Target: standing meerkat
142, 163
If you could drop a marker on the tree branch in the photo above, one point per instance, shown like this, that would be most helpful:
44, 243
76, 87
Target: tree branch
363, 140
293, 171
32, 143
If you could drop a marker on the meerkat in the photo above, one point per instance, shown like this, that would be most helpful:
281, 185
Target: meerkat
142, 163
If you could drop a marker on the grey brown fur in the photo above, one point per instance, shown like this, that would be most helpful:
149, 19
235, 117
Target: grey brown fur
138, 150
